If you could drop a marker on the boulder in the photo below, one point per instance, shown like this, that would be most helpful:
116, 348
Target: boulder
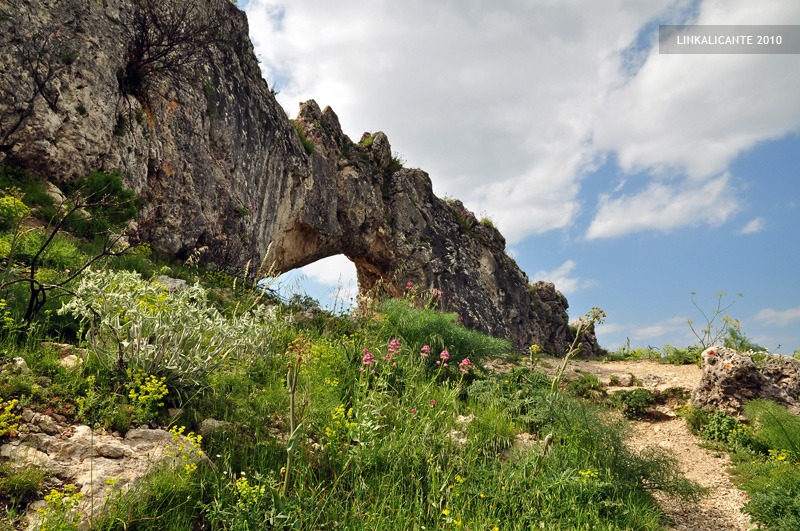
731, 379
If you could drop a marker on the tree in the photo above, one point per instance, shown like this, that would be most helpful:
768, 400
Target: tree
99, 193
165, 38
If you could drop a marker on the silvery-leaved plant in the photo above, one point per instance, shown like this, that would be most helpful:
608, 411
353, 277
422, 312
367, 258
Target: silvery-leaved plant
138, 324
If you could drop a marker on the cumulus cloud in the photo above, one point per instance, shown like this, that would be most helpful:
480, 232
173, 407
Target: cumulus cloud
754, 225
510, 105
770, 316
563, 279
332, 271
663, 207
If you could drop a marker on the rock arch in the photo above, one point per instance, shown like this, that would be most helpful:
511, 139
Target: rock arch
225, 169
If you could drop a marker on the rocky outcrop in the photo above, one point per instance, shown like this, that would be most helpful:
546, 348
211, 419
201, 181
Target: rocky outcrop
97, 463
223, 168
731, 379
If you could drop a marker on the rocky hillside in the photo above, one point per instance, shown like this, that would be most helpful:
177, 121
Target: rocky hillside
171, 94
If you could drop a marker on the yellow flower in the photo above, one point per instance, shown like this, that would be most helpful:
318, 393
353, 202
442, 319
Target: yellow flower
446, 512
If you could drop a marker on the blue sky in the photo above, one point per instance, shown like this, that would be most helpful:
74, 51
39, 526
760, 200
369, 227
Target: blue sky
628, 178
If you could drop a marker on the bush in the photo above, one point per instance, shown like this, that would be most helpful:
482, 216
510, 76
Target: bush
633, 403
12, 211
586, 386
139, 325
720, 427
676, 356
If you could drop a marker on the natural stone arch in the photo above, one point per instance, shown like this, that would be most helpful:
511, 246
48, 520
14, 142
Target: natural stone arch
239, 182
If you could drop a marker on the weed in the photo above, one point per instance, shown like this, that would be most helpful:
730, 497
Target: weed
308, 144
633, 403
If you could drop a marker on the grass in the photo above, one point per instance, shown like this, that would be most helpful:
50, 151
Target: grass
389, 438
413, 444
765, 456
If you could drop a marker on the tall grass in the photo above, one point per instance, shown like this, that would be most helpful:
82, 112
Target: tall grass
390, 439
441, 331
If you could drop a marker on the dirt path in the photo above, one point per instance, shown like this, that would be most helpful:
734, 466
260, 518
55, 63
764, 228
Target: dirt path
720, 510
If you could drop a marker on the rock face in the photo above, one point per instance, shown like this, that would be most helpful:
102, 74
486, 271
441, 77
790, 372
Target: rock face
222, 168
731, 379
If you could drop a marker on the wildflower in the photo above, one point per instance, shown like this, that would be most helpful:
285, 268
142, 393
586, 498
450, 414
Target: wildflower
433, 402
66, 271
409, 285
425, 351
465, 365
368, 357
444, 355
414, 410
446, 512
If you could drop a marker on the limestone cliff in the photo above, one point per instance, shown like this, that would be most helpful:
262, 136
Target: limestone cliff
222, 167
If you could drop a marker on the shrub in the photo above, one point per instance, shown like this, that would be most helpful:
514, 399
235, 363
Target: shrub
676, 356
586, 386
720, 427
633, 403
12, 211
178, 336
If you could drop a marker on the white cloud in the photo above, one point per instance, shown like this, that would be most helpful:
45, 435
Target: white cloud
638, 332
332, 271
510, 105
561, 277
754, 225
770, 316
662, 207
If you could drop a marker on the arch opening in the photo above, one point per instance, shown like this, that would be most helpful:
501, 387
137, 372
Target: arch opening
330, 281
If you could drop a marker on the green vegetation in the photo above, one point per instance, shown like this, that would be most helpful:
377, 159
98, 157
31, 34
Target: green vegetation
386, 422
766, 456
308, 144
373, 430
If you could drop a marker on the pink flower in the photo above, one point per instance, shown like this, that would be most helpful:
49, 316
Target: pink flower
444, 355
368, 358
66, 271
433, 402
414, 411
425, 351
394, 348
409, 285
465, 365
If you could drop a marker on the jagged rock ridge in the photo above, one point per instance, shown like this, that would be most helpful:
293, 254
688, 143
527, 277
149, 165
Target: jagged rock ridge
223, 168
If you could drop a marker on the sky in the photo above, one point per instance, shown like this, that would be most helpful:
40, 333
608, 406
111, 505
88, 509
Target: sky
628, 178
